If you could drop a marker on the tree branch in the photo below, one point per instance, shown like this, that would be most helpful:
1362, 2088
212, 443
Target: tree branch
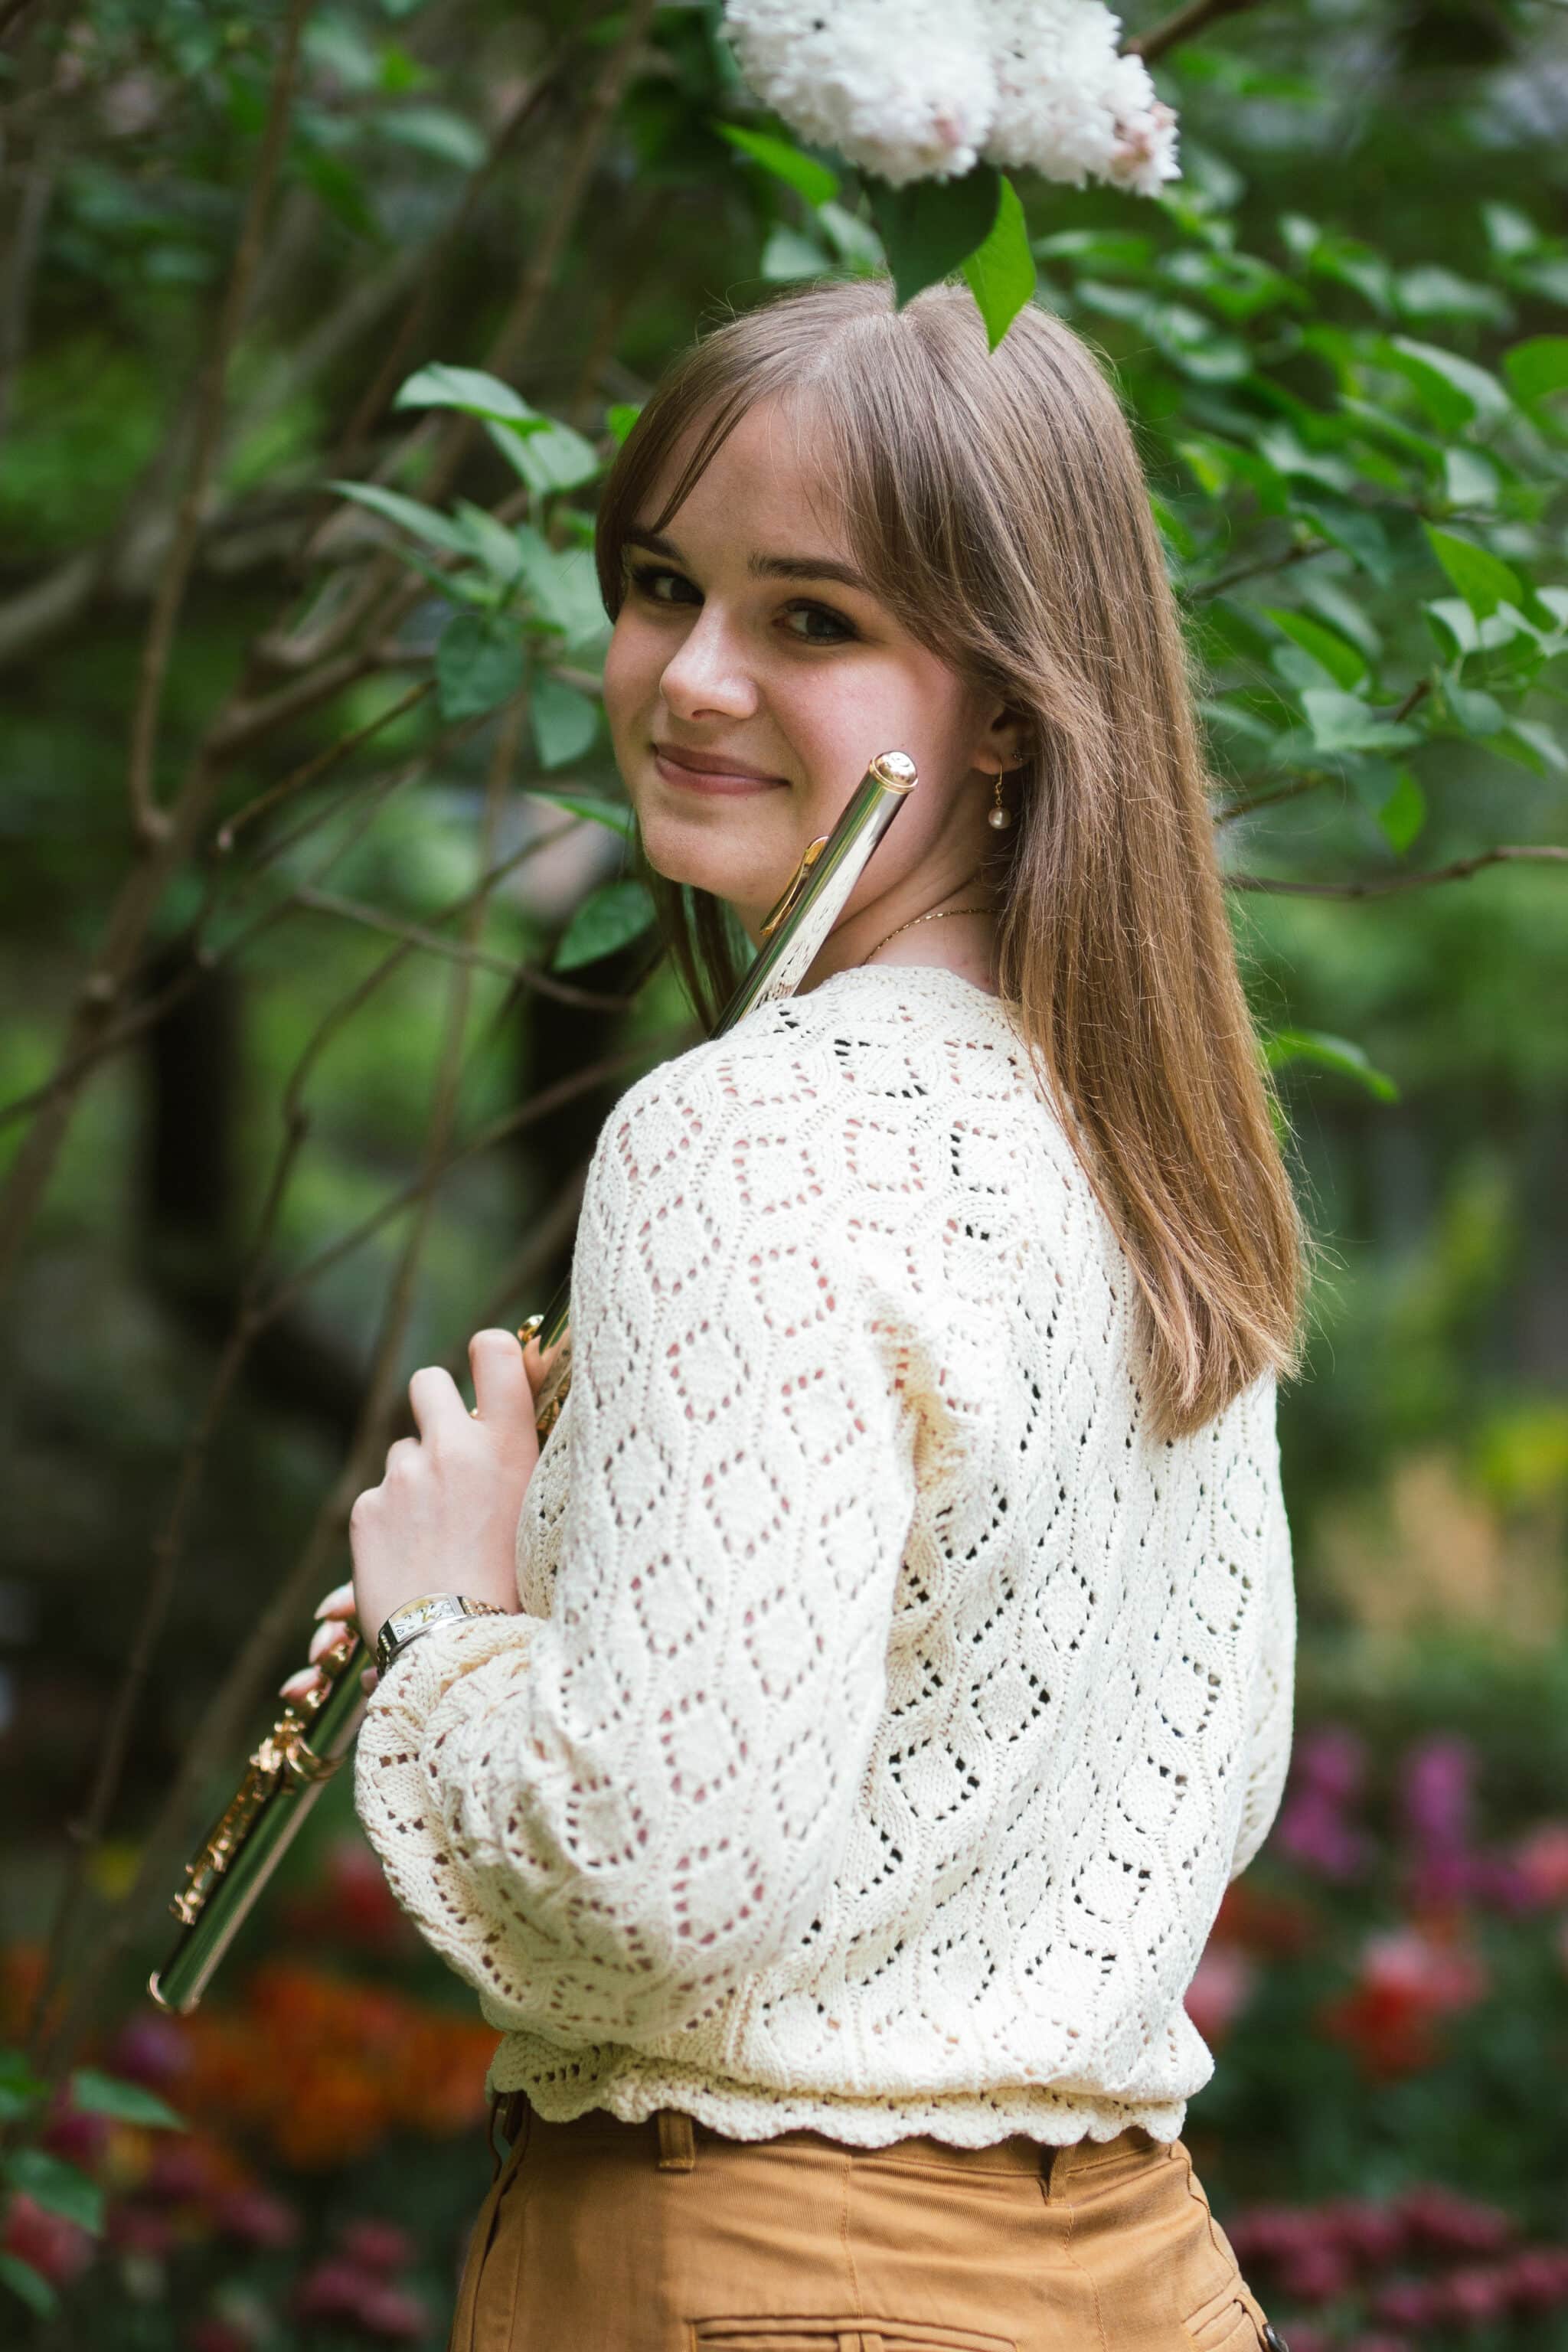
1182, 25
150, 820
1381, 885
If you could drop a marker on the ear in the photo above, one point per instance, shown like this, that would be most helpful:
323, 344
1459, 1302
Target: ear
1003, 742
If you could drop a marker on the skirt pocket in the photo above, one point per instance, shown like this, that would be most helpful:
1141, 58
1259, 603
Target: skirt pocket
830, 2335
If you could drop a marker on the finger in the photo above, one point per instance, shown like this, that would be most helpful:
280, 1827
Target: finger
501, 1383
301, 1684
327, 1636
433, 1393
339, 1602
368, 1680
537, 1364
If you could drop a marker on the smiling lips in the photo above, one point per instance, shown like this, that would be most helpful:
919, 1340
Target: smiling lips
710, 771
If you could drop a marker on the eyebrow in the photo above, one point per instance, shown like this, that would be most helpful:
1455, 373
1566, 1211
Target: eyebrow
763, 567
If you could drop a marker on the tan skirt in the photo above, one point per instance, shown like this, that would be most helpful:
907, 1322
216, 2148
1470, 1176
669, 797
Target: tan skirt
664, 2236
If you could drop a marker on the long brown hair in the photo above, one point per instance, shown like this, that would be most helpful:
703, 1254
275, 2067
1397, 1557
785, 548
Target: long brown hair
996, 503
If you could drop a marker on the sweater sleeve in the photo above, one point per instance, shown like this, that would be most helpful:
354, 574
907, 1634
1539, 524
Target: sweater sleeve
606, 1819
1270, 1737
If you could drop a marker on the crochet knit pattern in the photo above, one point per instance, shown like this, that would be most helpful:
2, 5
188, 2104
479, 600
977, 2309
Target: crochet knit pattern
891, 1710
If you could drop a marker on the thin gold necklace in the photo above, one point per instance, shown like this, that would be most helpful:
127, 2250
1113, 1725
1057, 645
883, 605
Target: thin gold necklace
938, 915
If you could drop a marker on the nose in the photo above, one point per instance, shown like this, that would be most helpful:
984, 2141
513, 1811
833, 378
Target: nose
707, 671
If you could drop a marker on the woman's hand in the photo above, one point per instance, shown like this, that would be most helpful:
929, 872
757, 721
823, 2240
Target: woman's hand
444, 1518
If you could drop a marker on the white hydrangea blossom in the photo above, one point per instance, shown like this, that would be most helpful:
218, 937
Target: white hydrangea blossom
915, 90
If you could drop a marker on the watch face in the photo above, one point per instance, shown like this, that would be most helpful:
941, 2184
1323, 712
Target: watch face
419, 1612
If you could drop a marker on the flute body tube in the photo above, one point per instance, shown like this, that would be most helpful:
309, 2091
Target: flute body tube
312, 1740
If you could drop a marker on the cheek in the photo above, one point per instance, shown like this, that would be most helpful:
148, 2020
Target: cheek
625, 676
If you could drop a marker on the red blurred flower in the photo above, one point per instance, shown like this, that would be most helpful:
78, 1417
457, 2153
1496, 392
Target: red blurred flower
1410, 1977
214, 2335
1406, 2302
56, 2249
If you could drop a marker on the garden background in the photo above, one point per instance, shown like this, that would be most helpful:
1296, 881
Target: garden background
325, 957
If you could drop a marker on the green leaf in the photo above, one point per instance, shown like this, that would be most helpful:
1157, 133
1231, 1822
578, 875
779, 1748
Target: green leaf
1352, 527
1329, 1054
1452, 390
478, 664
1482, 579
468, 389
1195, 345
1469, 478
1403, 813
437, 131
619, 418
1001, 272
31, 2286
1343, 722
408, 513
814, 180
1098, 248
930, 227
788, 254
57, 2186
563, 588
564, 721
1532, 745
1344, 663
547, 455
489, 542
1538, 367
854, 241
614, 814
20, 2088
128, 2103
1457, 631
607, 919
1476, 712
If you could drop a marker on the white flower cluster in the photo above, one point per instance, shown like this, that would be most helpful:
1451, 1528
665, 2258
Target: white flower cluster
917, 90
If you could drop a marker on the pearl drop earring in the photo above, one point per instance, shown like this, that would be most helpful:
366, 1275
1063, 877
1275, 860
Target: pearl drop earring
1000, 816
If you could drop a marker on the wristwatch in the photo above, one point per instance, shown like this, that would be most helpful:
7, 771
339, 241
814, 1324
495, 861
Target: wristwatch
417, 1617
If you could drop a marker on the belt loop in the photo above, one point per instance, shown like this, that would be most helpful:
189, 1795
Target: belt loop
1054, 2167
677, 2141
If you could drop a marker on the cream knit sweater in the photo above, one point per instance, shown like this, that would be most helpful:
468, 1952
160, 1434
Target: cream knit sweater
889, 1712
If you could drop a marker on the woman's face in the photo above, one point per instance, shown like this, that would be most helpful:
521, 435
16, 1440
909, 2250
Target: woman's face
786, 686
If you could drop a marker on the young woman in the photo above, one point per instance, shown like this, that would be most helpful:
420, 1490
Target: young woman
833, 1802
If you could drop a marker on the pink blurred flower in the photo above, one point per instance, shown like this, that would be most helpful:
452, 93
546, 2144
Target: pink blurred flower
1374, 2234
1540, 1857
134, 2230
56, 2249
256, 2218
215, 2334
339, 2293
1473, 2297
375, 2246
1441, 2219
150, 2049
1220, 1989
1407, 2303
1315, 2273
1376, 2342
1327, 1773
80, 2139
1538, 2277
